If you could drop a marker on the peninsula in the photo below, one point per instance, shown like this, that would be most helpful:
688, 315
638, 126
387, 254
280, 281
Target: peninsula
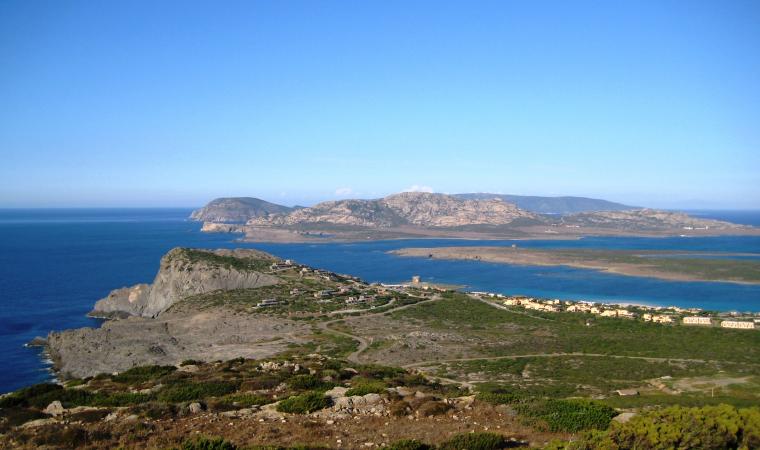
241, 349
669, 265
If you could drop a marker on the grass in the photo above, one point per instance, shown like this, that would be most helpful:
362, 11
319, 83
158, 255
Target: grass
511, 333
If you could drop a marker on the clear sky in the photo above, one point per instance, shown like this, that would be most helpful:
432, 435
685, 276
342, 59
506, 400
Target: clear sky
160, 103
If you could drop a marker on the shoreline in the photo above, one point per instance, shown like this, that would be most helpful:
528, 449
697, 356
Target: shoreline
556, 258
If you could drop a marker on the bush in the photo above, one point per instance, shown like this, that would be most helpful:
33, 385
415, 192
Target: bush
569, 415
407, 444
475, 441
304, 403
379, 372
23, 397
498, 398
304, 382
709, 427
142, 374
363, 386
185, 392
204, 443
246, 400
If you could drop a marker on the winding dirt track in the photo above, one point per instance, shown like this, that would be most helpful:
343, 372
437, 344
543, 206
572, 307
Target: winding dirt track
363, 343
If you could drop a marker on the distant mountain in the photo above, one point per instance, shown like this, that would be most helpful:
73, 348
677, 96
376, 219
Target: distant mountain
237, 210
552, 205
408, 208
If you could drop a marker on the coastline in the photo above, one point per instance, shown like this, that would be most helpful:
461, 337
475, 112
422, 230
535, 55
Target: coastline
553, 258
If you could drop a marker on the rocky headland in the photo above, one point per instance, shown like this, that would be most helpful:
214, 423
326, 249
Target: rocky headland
184, 273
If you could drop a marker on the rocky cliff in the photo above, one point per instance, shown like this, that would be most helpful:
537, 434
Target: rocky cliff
408, 208
187, 272
236, 210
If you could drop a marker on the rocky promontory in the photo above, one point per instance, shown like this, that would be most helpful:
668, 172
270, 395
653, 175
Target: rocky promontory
187, 272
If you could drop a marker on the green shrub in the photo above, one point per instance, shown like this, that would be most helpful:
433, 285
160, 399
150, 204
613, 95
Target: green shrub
205, 443
185, 392
304, 403
676, 427
190, 362
142, 374
407, 444
304, 382
475, 441
569, 415
23, 397
246, 400
363, 386
498, 398
379, 372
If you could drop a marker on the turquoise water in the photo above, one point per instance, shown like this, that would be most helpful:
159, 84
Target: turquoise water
54, 264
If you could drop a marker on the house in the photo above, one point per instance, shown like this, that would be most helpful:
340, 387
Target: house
608, 313
355, 300
268, 302
697, 320
627, 392
738, 324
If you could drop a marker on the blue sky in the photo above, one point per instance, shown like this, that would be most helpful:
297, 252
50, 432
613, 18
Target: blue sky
145, 103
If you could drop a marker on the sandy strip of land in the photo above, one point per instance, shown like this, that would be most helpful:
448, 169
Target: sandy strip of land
619, 262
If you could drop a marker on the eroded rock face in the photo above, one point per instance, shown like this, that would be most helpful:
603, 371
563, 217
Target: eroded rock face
173, 337
184, 273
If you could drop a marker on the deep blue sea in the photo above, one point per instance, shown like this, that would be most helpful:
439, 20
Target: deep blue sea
54, 264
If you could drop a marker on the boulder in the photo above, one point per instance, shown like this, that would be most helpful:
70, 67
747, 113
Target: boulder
195, 408
55, 408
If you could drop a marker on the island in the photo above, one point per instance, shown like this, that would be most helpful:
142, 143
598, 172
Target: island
463, 216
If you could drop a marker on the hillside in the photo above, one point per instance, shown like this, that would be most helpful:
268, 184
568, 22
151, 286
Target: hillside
317, 368
551, 205
408, 208
464, 216
236, 210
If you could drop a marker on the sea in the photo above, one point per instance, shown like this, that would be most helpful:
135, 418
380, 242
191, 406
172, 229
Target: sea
55, 263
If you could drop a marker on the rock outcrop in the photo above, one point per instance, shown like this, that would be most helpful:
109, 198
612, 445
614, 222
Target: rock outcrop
184, 273
408, 208
236, 210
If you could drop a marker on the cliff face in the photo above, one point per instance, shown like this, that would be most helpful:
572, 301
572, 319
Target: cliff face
185, 272
236, 210
408, 208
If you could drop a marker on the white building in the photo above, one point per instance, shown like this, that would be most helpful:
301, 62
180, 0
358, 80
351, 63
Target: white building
738, 324
697, 320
